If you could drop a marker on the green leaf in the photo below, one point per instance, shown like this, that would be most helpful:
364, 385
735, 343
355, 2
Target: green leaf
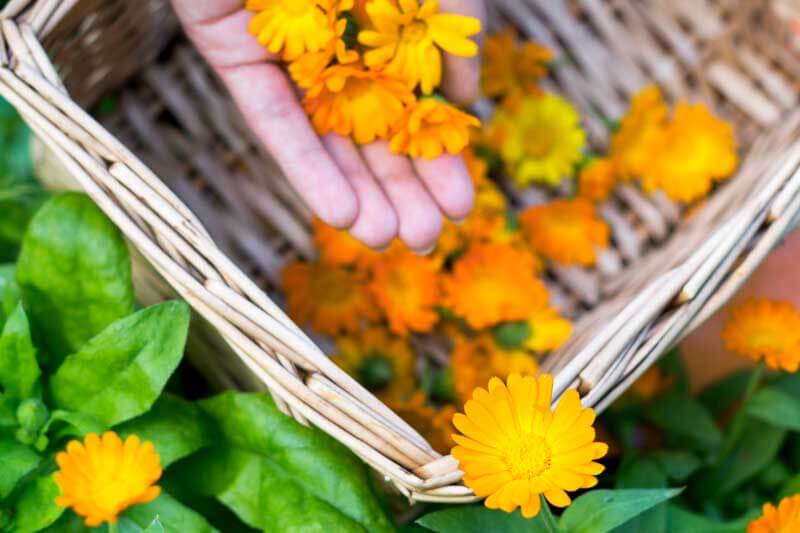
479, 519
9, 292
8, 411
775, 407
790, 487
16, 461
681, 520
19, 371
78, 424
176, 427
155, 527
599, 511
678, 465
165, 513
34, 505
118, 374
720, 396
643, 473
512, 334
278, 475
75, 274
681, 416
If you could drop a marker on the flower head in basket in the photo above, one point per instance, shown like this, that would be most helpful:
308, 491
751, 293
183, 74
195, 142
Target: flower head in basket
639, 133
597, 179
493, 283
540, 140
332, 300
566, 231
102, 476
339, 248
436, 425
784, 517
291, 27
548, 331
432, 127
382, 363
408, 36
511, 70
516, 448
764, 329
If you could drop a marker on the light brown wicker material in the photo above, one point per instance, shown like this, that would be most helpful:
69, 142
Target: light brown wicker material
176, 152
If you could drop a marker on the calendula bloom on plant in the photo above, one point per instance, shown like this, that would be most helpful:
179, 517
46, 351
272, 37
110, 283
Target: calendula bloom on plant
540, 140
408, 37
475, 361
330, 299
350, 100
549, 331
512, 70
765, 329
565, 231
406, 287
785, 518
435, 425
493, 283
290, 27
339, 248
695, 150
639, 133
102, 476
430, 127
597, 179
515, 448
382, 363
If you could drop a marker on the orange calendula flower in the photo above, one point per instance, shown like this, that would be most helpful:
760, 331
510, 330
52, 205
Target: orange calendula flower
406, 287
431, 127
511, 70
408, 37
350, 100
475, 361
696, 150
102, 476
652, 383
565, 231
339, 248
332, 300
515, 448
493, 283
292, 27
434, 424
765, 329
382, 363
639, 133
783, 518
597, 180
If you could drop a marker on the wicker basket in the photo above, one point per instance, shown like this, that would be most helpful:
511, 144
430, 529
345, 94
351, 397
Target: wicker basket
176, 141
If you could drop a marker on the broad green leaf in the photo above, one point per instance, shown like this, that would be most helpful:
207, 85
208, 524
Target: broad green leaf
34, 505
75, 274
176, 427
643, 473
19, 371
479, 519
276, 474
8, 411
9, 292
775, 407
118, 374
16, 461
599, 511
18, 204
155, 527
680, 520
677, 465
165, 513
720, 396
681, 416
77, 424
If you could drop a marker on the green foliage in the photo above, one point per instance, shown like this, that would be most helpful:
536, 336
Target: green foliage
19, 370
479, 519
16, 461
34, 505
9, 292
672, 414
775, 407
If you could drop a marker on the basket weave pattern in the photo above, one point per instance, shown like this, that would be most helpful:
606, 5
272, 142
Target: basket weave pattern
177, 152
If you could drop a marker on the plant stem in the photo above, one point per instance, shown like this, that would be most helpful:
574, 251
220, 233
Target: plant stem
547, 517
113, 527
737, 424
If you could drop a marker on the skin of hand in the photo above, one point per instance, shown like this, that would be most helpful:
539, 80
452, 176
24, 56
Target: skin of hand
373, 193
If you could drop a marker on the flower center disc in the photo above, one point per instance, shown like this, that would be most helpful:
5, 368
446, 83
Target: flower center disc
528, 457
415, 32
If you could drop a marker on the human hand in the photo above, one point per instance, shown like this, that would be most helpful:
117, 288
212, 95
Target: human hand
373, 193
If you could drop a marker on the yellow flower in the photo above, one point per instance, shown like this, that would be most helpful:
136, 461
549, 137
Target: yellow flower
382, 363
475, 361
695, 150
101, 477
493, 283
549, 331
762, 328
408, 37
515, 448
339, 248
435, 425
330, 299
639, 133
432, 126
565, 231
350, 100
597, 180
406, 287
510, 69
783, 519
540, 140
292, 26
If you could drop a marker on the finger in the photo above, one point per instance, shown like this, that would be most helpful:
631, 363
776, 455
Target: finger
461, 79
267, 100
377, 223
449, 183
419, 216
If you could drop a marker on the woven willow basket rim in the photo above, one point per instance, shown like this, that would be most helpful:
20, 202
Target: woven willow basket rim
604, 358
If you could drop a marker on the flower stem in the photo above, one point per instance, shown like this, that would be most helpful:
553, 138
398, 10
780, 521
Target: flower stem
113, 527
737, 424
550, 524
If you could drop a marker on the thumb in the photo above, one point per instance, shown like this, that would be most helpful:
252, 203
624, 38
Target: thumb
462, 75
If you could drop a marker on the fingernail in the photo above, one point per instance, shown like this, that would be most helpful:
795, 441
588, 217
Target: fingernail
423, 253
